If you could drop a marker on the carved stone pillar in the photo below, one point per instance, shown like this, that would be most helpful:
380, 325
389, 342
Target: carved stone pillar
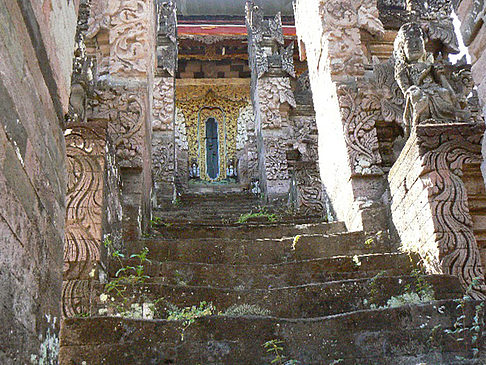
93, 212
346, 110
271, 65
163, 123
123, 35
430, 202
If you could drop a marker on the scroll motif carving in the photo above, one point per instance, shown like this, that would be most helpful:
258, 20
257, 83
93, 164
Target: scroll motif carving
130, 36
244, 119
85, 160
163, 106
272, 93
75, 298
163, 162
276, 160
310, 189
445, 152
126, 112
360, 109
348, 14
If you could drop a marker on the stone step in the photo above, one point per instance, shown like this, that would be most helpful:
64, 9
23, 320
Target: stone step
277, 275
410, 334
226, 219
305, 301
243, 250
246, 231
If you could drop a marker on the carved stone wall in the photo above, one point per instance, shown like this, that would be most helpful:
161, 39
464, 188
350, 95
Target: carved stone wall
430, 202
125, 110
346, 107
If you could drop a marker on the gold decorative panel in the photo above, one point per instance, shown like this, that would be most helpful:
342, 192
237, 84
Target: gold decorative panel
221, 99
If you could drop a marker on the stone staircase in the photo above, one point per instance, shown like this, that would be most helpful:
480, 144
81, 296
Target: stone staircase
320, 290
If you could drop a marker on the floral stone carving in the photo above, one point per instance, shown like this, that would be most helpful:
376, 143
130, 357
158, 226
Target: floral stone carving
125, 111
361, 108
163, 107
272, 93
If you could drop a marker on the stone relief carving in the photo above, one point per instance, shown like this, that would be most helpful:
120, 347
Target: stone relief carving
427, 84
126, 112
276, 159
244, 119
75, 297
85, 147
131, 36
85, 164
266, 43
272, 93
180, 131
82, 76
163, 160
352, 13
445, 152
163, 105
392, 100
100, 17
167, 36
360, 108
309, 188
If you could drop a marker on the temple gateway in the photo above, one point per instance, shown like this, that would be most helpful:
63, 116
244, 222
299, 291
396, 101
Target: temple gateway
242, 182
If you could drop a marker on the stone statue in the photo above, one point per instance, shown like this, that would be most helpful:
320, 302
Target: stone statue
432, 89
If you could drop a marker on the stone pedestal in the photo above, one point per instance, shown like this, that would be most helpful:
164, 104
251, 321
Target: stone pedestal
430, 201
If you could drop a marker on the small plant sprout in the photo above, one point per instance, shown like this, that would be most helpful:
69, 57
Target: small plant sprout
188, 315
467, 330
276, 348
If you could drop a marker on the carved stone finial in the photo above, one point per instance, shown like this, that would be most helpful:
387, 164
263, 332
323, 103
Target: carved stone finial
432, 90
167, 36
266, 43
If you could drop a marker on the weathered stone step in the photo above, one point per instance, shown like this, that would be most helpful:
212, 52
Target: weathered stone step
247, 231
305, 301
409, 334
277, 275
194, 216
240, 250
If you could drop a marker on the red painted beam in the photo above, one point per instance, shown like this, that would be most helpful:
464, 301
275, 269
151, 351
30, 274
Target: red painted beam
230, 30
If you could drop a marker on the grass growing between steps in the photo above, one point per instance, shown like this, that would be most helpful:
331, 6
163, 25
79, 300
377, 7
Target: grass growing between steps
420, 291
261, 213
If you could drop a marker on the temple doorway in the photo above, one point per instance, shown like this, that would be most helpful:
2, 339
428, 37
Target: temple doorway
212, 148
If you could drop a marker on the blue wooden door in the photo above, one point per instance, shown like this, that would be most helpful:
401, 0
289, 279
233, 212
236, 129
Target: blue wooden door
212, 155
